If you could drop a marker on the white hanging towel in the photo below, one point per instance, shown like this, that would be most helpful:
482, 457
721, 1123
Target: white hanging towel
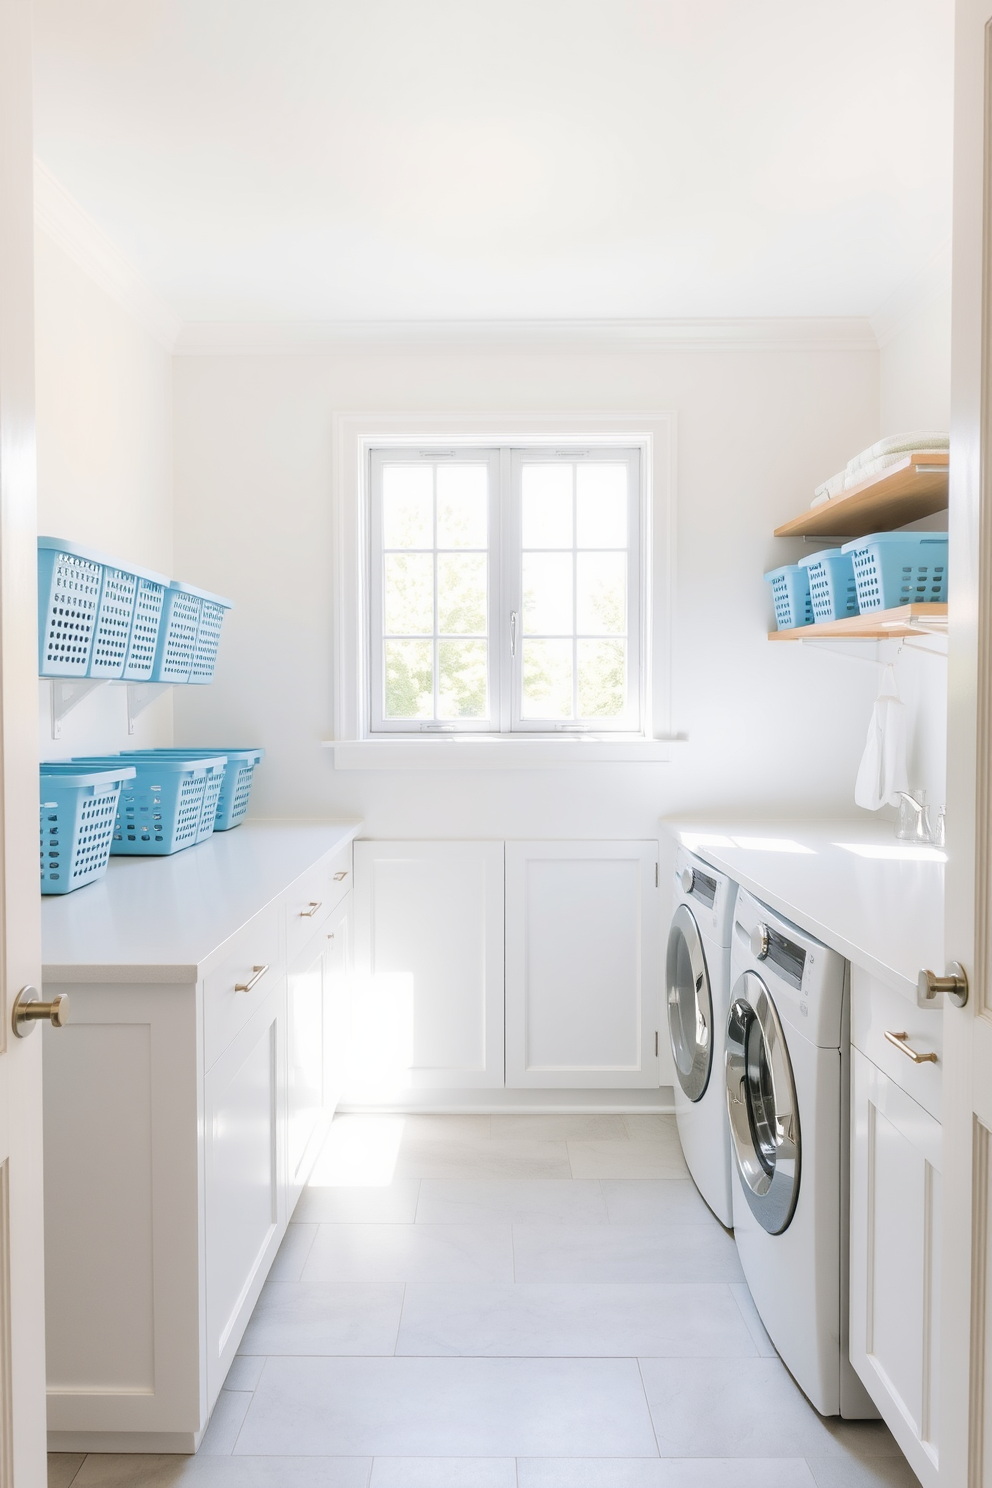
883, 773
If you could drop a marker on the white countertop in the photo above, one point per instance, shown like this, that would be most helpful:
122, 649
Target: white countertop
885, 913
159, 919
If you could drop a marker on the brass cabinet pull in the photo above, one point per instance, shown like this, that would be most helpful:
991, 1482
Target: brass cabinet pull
341, 873
28, 1010
259, 972
899, 1039
311, 910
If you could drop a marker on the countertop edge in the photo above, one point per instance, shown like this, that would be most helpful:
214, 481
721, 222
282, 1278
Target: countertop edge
831, 937
178, 973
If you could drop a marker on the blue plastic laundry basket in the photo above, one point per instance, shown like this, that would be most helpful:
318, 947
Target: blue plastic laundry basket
189, 634
69, 583
96, 617
78, 812
142, 643
235, 791
898, 568
212, 612
161, 810
217, 763
832, 589
790, 591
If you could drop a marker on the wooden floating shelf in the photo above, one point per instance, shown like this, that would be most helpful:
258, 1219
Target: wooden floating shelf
877, 625
916, 487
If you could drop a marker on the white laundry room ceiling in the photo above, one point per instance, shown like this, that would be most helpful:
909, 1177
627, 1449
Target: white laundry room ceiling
446, 159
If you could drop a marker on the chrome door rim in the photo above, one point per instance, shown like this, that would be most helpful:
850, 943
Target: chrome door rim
762, 1105
693, 1054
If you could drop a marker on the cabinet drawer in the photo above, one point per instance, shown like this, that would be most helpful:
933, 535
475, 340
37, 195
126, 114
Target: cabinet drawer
876, 1010
225, 1009
312, 897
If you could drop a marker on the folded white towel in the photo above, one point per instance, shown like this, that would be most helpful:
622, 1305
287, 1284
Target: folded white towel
901, 444
907, 443
831, 487
873, 467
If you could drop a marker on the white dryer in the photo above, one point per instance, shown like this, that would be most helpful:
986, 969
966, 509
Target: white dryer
698, 993
787, 1067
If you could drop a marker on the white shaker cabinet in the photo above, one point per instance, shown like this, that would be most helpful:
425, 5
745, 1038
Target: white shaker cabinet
428, 1008
183, 1110
582, 964
895, 1216
318, 1040
245, 1199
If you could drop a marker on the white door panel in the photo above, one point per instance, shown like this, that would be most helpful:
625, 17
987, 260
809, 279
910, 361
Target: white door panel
22, 1319
429, 965
582, 989
965, 1400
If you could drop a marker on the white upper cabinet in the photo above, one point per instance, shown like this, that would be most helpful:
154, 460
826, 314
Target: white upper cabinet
428, 1009
582, 964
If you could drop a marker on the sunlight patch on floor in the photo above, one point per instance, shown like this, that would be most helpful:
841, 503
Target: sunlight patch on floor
360, 1152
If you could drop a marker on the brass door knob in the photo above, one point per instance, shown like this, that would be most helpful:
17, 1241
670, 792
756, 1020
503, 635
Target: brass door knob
954, 985
29, 1010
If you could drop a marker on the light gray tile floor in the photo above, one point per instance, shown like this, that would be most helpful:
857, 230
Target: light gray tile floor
507, 1302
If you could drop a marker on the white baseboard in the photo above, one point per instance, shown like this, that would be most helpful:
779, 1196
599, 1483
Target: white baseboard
519, 1103
182, 1443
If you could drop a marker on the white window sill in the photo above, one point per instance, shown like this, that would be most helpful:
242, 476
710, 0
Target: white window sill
492, 752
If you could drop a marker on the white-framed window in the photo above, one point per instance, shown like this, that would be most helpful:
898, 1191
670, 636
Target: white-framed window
506, 589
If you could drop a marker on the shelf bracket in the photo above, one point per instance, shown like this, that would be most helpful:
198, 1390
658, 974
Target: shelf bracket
141, 695
68, 693
844, 648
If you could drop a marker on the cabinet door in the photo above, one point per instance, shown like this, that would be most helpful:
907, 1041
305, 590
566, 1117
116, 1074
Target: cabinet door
582, 991
337, 1005
428, 1007
895, 1232
244, 1192
318, 1037
306, 1036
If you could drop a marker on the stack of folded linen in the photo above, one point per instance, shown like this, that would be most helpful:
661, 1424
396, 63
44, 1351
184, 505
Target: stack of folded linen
878, 457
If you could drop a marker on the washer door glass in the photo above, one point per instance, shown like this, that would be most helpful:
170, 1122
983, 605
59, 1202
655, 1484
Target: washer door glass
762, 1105
690, 1005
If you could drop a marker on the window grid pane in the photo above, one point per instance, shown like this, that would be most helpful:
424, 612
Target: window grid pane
462, 652
598, 658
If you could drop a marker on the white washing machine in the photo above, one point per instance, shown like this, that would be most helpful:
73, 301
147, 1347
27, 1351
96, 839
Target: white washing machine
697, 977
787, 1069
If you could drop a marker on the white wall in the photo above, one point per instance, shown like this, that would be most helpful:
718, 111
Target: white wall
915, 372
772, 728
104, 412
915, 393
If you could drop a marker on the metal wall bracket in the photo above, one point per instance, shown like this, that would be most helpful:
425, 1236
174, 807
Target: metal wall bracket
141, 695
68, 693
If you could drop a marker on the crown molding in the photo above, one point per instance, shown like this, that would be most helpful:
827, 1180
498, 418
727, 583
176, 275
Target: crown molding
61, 218
261, 338
912, 298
